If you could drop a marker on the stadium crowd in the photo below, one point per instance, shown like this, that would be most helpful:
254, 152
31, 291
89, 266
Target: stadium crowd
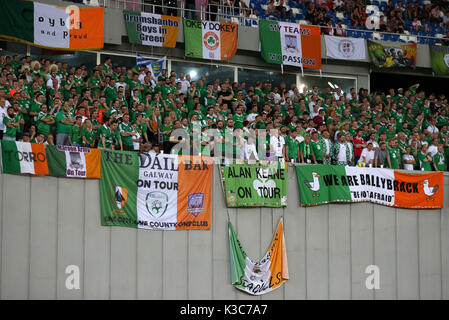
126, 108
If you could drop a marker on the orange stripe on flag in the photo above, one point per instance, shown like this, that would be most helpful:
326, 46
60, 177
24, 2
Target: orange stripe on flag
172, 32
93, 164
40, 159
90, 35
311, 47
418, 190
279, 264
228, 41
194, 193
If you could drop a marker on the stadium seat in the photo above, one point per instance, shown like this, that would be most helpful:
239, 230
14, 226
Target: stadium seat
368, 35
394, 37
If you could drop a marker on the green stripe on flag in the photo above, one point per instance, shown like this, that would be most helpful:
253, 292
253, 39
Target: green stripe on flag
17, 19
131, 26
322, 184
118, 188
56, 160
270, 41
238, 259
10, 163
193, 38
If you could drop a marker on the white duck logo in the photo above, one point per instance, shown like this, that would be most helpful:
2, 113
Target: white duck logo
314, 185
428, 190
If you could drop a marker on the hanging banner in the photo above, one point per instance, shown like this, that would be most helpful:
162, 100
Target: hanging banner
290, 44
51, 26
319, 184
151, 29
56, 161
263, 276
155, 191
155, 66
345, 48
439, 56
255, 185
403, 56
210, 39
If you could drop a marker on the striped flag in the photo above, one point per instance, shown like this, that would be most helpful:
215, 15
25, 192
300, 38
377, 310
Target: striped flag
157, 192
210, 39
24, 157
262, 276
155, 66
57, 161
52, 26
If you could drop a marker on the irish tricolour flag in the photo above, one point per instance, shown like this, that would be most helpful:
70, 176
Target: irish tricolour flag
155, 191
210, 39
290, 44
57, 161
262, 276
52, 26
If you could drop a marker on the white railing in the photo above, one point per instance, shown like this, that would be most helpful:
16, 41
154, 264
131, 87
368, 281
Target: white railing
240, 16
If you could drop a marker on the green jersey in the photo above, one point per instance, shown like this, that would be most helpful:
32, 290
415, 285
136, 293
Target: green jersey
440, 161
111, 138
394, 157
75, 134
317, 149
126, 127
10, 131
424, 165
43, 127
292, 147
61, 127
89, 135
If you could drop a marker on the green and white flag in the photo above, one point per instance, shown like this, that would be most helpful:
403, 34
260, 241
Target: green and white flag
280, 42
255, 185
319, 184
439, 56
210, 39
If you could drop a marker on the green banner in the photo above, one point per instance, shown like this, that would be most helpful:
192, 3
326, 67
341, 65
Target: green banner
403, 56
255, 186
118, 188
440, 59
318, 184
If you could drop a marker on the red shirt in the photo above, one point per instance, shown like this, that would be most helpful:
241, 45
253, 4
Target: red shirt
358, 151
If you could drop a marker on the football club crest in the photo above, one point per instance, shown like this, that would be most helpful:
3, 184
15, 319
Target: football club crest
195, 204
346, 48
156, 203
119, 196
291, 43
211, 41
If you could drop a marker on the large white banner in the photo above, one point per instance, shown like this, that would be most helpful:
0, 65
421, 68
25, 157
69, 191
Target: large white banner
345, 48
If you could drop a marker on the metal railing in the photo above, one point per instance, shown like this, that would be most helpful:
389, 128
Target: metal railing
242, 17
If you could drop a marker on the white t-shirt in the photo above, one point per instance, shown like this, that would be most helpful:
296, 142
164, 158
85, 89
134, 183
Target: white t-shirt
369, 155
408, 166
278, 144
342, 154
432, 129
3, 113
185, 84
433, 150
